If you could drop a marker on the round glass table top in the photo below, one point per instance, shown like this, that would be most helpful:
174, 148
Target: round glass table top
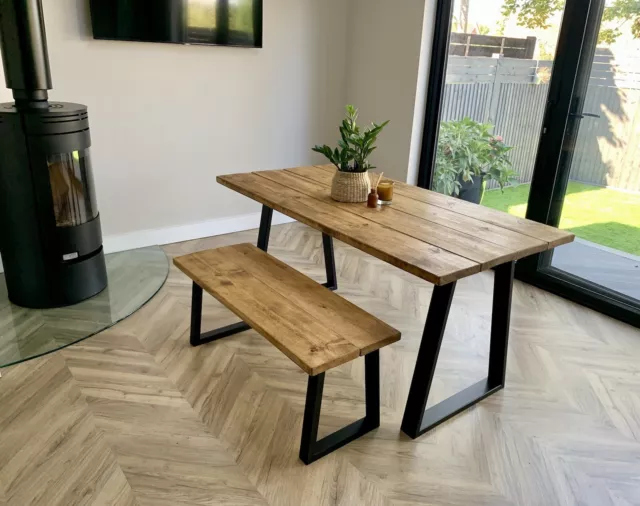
134, 278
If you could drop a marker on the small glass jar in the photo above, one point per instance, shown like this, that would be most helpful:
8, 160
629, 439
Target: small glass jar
372, 200
385, 192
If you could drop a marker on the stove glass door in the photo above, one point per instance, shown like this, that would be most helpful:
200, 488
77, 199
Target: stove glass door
72, 188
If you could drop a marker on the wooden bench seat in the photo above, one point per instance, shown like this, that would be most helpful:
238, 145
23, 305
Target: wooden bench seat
314, 327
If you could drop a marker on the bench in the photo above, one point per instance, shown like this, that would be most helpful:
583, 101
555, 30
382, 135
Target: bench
314, 327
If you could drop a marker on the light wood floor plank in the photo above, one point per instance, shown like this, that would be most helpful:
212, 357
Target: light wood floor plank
51, 451
164, 450
135, 416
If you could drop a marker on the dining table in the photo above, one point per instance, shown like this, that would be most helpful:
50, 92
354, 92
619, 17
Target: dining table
437, 238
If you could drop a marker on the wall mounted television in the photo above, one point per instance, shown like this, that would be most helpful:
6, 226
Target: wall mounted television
209, 22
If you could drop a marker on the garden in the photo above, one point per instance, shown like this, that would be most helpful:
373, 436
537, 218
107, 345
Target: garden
469, 156
605, 216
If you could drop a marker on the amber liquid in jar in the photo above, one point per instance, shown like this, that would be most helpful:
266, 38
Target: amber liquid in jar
385, 192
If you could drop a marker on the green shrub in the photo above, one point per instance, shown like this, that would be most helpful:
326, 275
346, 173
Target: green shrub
468, 149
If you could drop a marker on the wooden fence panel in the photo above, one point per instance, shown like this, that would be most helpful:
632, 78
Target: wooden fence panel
509, 94
466, 101
607, 151
471, 44
519, 120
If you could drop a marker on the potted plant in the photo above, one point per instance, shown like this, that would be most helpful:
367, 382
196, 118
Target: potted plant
468, 156
351, 182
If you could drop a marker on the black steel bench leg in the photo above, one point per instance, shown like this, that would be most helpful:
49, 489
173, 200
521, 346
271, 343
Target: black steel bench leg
310, 448
416, 420
197, 338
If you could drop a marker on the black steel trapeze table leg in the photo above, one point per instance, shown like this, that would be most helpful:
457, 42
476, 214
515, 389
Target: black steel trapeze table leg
265, 228
329, 262
416, 420
198, 338
327, 247
310, 448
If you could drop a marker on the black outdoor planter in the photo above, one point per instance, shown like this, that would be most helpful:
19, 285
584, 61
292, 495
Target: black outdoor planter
472, 191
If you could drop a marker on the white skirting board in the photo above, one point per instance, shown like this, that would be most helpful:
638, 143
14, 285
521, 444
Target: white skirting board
169, 235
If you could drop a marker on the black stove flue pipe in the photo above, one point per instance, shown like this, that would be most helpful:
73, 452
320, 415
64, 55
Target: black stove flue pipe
24, 52
50, 234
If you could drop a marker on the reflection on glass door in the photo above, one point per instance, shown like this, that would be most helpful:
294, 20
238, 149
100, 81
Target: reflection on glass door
494, 100
602, 199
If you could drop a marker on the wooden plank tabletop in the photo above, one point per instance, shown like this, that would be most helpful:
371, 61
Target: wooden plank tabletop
435, 237
318, 331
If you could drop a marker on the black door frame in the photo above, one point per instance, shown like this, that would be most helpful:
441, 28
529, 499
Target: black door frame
565, 68
569, 79
548, 190
435, 91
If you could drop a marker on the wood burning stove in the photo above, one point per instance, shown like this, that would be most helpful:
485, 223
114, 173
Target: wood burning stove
50, 235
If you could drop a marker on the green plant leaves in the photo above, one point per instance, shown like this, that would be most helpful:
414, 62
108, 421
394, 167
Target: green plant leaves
468, 149
539, 13
355, 145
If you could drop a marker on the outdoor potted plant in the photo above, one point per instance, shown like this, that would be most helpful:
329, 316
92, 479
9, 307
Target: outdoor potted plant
468, 156
351, 182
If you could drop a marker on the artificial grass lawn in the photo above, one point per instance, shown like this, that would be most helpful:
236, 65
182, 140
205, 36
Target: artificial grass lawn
601, 215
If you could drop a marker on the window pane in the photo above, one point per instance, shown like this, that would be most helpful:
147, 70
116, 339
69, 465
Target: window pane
497, 82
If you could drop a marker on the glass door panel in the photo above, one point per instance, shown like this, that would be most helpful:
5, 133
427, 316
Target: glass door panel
494, 101
601, 204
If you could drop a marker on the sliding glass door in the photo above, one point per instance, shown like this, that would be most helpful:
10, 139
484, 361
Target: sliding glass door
596, 189
601, 203
497, 82
544, 96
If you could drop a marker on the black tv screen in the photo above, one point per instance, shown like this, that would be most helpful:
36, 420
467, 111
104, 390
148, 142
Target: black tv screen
214, 22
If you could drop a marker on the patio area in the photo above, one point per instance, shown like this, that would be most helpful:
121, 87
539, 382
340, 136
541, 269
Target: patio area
604, 266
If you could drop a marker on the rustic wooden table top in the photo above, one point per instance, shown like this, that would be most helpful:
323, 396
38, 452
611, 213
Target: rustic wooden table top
438, 238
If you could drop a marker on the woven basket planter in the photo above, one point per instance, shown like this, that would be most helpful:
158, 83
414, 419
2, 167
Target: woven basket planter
350, 186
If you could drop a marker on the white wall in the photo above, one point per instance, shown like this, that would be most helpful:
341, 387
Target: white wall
167, 119
421, 90
385, 39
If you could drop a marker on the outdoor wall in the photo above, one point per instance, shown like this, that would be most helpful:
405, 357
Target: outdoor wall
167, 119
385, 39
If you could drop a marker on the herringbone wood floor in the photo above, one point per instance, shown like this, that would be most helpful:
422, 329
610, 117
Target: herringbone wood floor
134, 416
